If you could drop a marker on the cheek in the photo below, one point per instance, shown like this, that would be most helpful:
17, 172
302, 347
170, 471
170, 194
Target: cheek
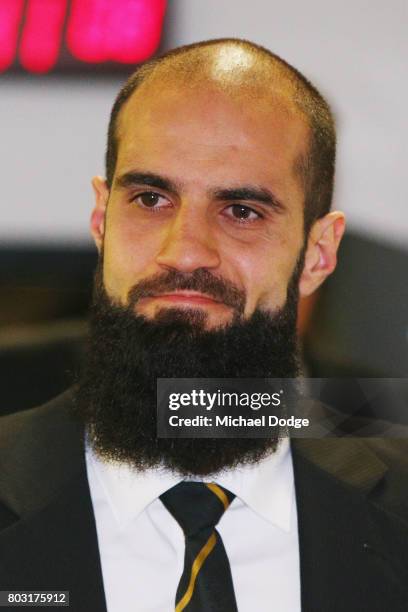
128, 254
264, 269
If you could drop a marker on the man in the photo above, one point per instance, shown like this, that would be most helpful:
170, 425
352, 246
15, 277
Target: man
213, 219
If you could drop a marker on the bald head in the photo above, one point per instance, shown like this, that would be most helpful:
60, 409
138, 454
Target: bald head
250, 75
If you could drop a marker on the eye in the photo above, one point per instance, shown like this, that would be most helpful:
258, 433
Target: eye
241, 213
150, 199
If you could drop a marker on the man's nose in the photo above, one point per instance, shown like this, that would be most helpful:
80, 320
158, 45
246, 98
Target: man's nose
188, 244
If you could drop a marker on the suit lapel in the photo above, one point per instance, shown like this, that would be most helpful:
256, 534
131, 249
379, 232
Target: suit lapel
347, 537
56, 549
50, 542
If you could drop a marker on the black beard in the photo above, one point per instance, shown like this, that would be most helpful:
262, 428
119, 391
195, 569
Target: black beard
116, 395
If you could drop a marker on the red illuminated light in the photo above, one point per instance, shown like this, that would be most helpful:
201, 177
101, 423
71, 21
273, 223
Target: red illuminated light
11, 12
125, 31
41, 39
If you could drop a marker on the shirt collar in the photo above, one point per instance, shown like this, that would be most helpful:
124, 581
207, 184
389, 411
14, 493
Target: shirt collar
266, 487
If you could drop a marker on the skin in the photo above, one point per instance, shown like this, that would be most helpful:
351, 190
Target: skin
203, 141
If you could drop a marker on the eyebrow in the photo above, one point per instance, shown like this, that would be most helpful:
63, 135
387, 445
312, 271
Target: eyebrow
242, 194
250, 193
131, 179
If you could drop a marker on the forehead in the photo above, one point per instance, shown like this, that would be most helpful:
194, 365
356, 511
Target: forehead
205, 132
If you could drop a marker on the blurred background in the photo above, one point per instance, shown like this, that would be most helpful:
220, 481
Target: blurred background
62, 63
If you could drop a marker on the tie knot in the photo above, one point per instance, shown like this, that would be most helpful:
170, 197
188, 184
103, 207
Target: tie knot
197, 505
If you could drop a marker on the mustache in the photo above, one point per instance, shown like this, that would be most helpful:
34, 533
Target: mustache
200, 280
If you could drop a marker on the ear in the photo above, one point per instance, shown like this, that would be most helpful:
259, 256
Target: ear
321, 253
101, 191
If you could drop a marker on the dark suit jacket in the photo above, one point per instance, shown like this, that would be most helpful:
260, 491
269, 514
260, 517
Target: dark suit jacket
352, 499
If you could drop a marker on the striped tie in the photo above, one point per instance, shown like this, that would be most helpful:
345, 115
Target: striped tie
206, 582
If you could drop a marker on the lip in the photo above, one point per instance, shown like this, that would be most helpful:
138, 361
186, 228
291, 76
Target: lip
186, 297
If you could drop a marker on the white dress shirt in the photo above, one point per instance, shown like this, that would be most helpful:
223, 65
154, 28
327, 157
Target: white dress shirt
142, 546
